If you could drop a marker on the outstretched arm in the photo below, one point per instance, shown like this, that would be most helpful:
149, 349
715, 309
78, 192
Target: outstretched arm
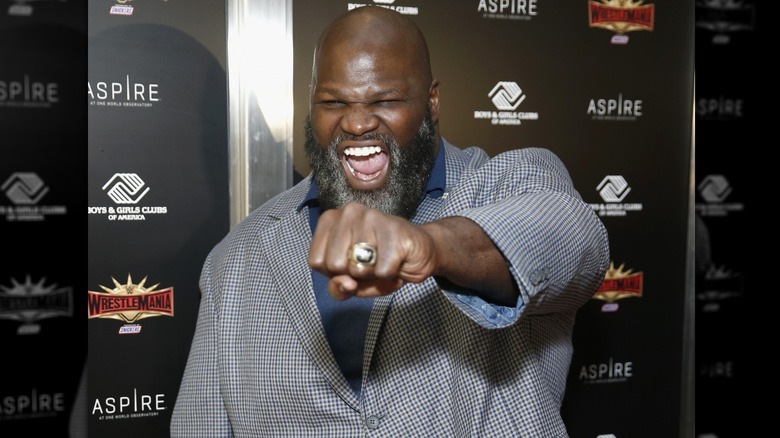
514, 232
454, 249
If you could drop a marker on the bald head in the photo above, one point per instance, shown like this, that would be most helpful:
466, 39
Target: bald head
372, 133
377, 31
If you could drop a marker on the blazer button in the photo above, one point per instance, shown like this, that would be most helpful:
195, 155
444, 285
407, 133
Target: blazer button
372, 422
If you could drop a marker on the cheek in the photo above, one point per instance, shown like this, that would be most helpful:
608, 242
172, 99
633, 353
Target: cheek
403, 125
324, 126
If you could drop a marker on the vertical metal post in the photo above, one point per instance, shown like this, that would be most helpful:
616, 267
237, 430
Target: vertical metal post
260, 109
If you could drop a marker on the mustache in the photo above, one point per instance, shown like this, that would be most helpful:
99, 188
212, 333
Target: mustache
384, 138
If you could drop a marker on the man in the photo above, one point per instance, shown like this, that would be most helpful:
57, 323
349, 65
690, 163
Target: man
406, 287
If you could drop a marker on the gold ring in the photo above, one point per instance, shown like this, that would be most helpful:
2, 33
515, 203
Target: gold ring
362, 254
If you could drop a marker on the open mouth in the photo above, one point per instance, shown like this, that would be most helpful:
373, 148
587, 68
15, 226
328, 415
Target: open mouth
365, 163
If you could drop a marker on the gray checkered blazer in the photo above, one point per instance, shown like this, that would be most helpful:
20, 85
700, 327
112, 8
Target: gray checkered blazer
437, 363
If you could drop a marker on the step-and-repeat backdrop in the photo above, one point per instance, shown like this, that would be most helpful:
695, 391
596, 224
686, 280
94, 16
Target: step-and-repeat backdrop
158, 200
607, 85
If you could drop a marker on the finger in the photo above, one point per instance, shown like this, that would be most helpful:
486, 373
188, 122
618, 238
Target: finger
394, 250
342, 287
377, 288
319, 243
344, 228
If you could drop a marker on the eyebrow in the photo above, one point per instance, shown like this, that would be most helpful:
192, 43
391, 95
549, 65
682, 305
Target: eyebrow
372, 96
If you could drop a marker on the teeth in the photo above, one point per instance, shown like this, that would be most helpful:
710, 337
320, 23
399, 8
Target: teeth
362, 152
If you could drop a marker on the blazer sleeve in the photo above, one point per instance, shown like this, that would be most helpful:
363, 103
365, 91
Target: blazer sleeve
555, 246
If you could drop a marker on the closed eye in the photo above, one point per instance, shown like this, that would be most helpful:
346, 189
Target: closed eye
387, 103
332, 103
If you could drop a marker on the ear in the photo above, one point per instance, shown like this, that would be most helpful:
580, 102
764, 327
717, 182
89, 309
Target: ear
433, 101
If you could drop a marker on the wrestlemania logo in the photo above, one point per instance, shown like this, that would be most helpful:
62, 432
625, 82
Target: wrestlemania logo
130, 302
618, 283
621, 17
30, 302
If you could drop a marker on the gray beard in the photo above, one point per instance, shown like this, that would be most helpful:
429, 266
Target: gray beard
408, 172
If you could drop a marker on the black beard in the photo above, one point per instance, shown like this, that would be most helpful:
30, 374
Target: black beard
408, 172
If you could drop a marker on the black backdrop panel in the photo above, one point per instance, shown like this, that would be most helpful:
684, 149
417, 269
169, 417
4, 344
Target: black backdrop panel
42, 224
729, 96
158, 201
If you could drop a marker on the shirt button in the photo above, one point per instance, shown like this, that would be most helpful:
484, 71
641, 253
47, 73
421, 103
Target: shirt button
507, 312
490, 312
372, 422
538, 276
465, 298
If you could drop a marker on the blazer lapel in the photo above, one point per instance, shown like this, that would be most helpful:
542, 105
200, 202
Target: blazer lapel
292, 275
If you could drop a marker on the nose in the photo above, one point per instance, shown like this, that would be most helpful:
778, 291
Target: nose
359, 120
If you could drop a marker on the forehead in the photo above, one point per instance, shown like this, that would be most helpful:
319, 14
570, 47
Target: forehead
365, 71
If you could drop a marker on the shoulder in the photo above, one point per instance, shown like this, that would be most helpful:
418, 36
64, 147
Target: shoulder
521, 161
480, 180
472, 156
534, 161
